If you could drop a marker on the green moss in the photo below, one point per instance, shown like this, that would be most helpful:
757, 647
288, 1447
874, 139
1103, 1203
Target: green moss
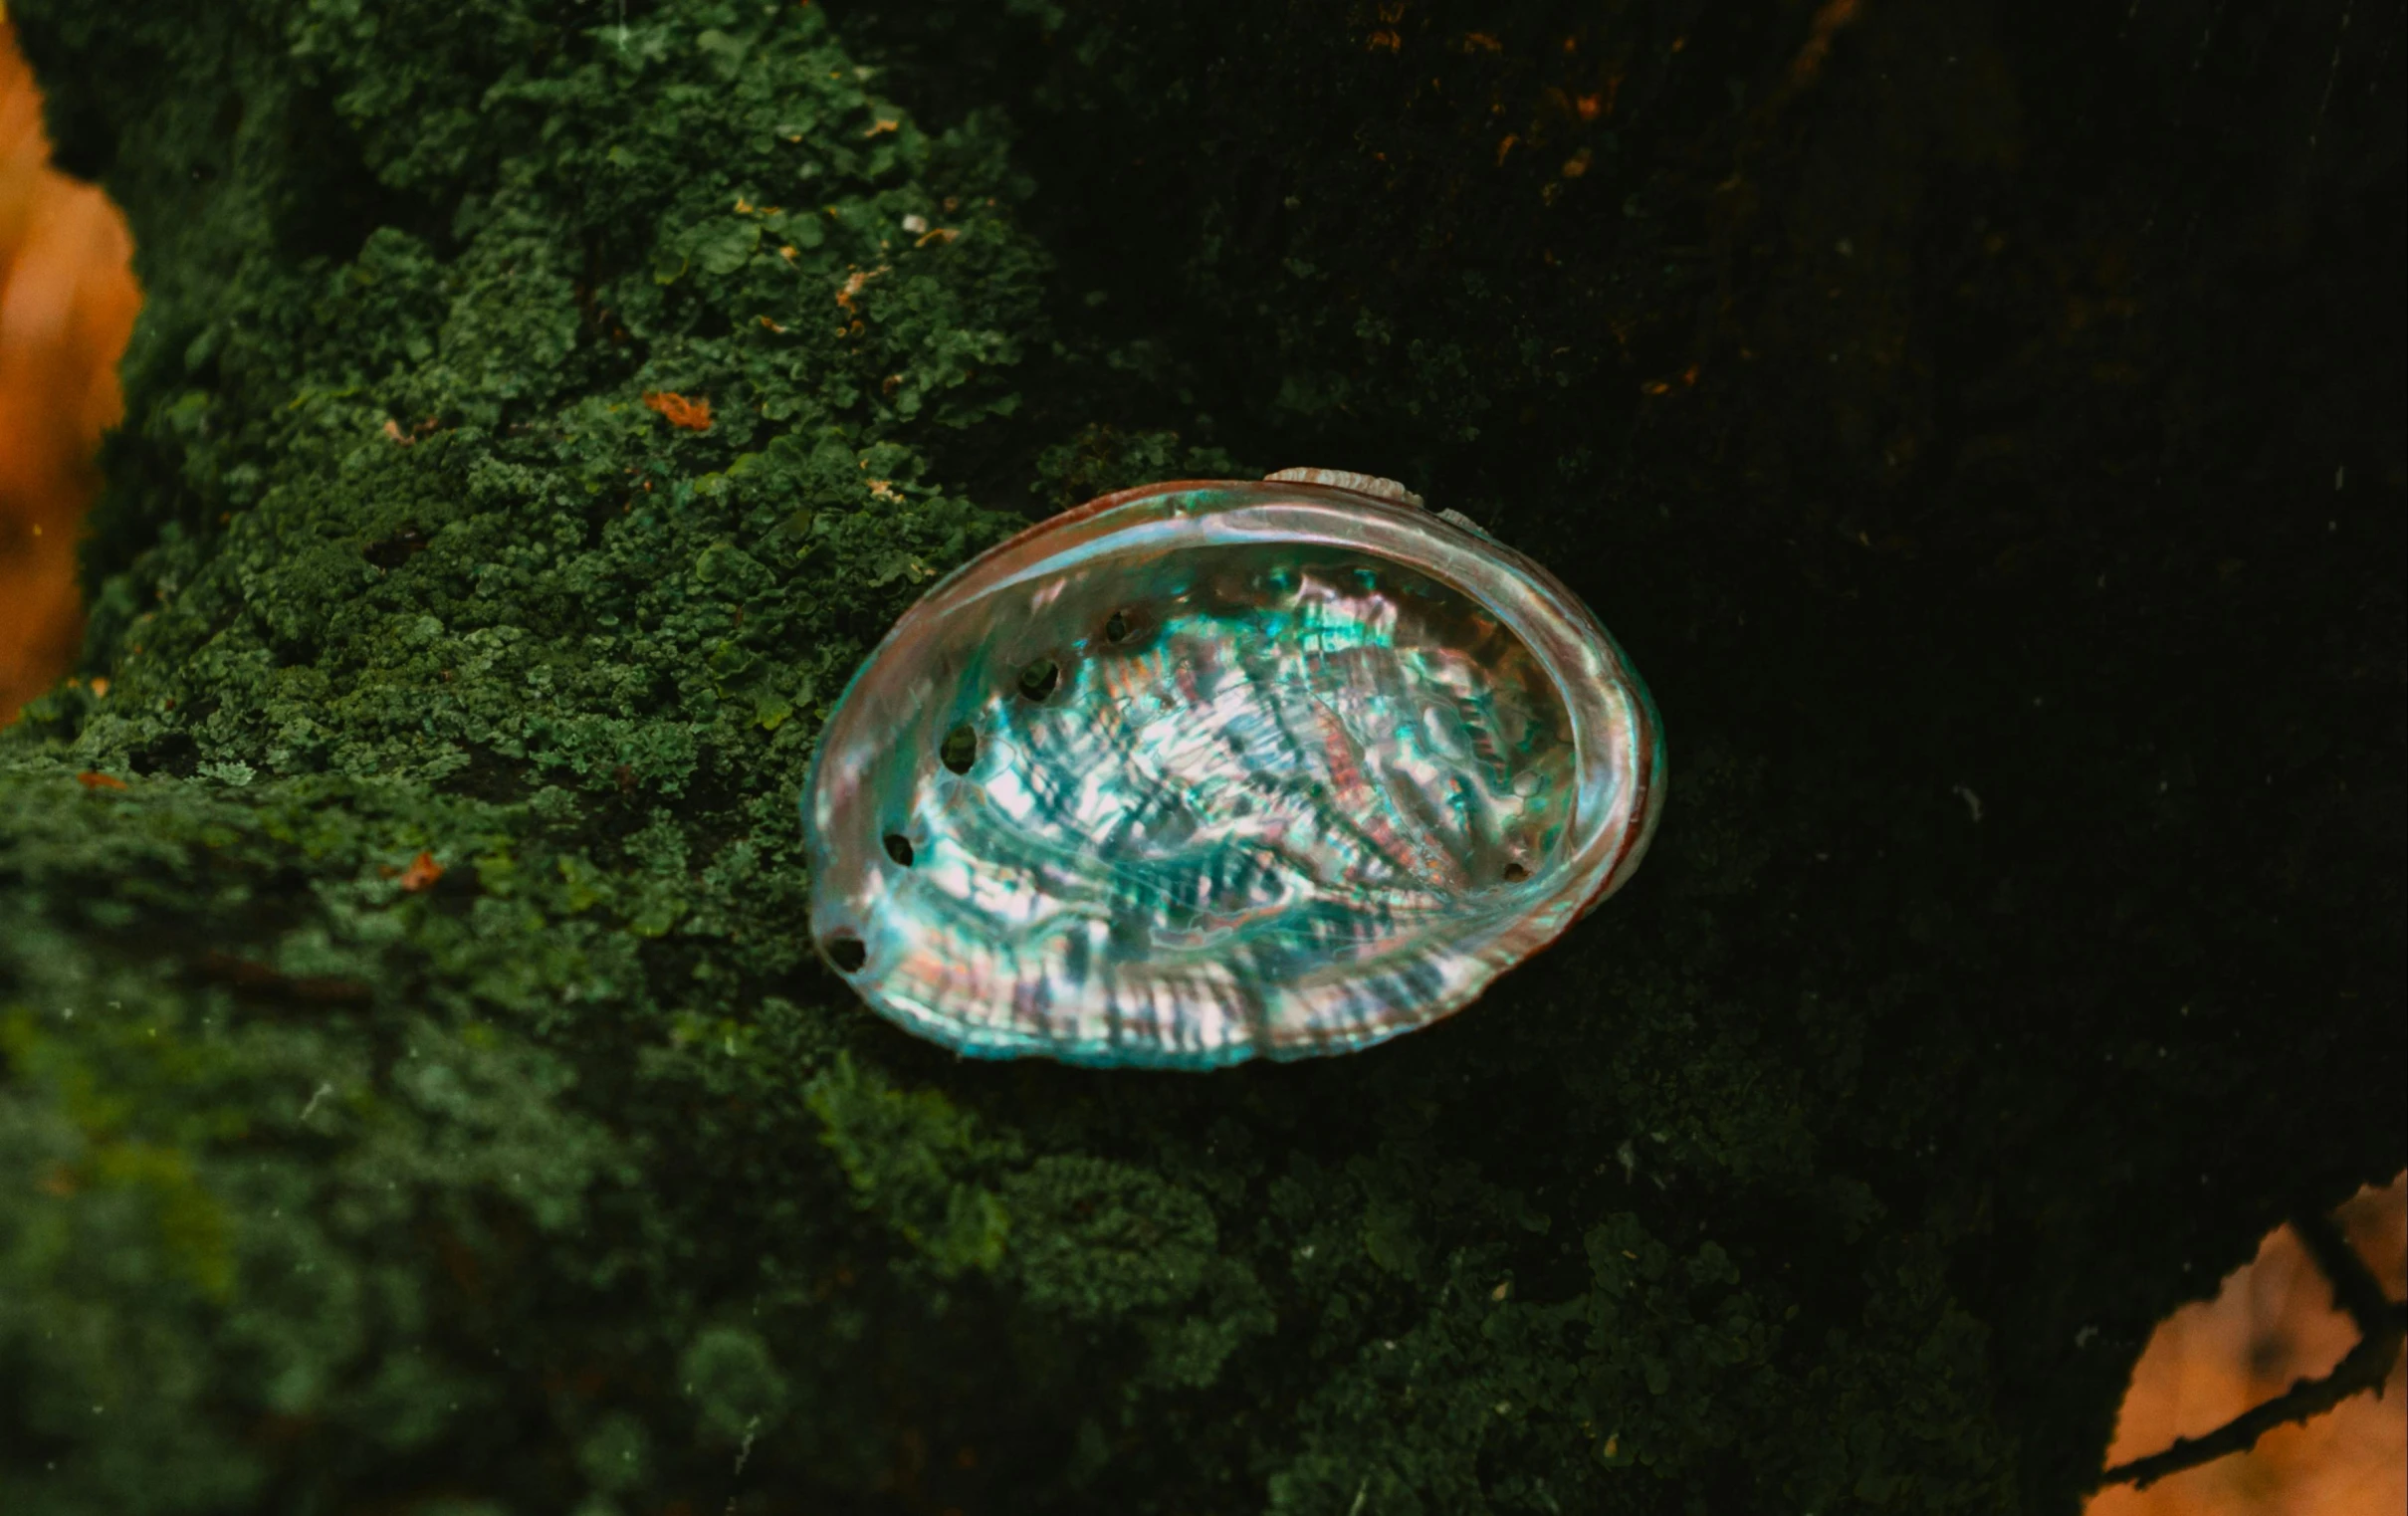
912, 1157
1841, 1164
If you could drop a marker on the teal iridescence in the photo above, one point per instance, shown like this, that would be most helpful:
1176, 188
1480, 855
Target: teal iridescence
1201, 773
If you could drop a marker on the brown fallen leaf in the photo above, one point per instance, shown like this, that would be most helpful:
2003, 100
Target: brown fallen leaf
692, 414
421, 874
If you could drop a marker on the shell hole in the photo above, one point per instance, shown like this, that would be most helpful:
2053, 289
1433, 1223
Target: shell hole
1515, 873
1117, 629
961, 749
844, 950
899, 848
1038, 677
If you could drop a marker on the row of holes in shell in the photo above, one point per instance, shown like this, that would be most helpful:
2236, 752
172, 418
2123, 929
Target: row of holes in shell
1037, 680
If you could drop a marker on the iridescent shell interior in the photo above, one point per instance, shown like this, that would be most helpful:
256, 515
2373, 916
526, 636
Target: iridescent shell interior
1207, 772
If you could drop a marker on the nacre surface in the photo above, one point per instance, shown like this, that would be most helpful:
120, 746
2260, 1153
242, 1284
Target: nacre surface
1216, 769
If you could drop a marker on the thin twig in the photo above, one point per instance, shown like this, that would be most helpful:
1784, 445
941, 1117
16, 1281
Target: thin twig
2381, 1325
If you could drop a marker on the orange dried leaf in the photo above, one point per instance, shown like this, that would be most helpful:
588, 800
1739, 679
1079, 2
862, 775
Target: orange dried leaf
1833, 15
693, 415
67, 306
855, 283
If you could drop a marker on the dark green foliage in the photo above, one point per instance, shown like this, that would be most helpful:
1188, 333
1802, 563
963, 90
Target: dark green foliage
417, 1093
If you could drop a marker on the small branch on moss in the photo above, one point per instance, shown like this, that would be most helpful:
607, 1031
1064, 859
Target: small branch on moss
2381, 1323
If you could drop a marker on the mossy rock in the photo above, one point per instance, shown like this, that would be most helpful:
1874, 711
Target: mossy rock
418, 1090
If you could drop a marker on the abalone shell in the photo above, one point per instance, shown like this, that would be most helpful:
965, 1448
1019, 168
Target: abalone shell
1216, 770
